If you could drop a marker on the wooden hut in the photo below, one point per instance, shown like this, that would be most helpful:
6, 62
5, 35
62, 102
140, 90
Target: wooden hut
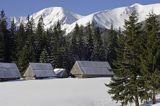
9, 71
88, 69
39, 71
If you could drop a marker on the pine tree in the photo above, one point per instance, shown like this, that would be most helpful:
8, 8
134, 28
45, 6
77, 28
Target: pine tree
20, 39
12, 42
90, 44
39, 39
99, 53
149, 58
7, 38
57, 46
126, 85
23, 59
67, 60
74, 45
30, 26
112, 45
24, 41
51, 44
44, 57
30, 39
81, 44
2, 35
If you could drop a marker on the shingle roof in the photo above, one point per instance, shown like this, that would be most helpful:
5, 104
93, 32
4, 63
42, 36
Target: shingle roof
9, 70
94, 67
42, 69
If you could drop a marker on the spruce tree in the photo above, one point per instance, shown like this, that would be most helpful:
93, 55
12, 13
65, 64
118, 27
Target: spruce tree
81, 44
39, 39
112, 45
74, 45
44, 57
30, 26
99, 53
12, 42
57, 46
25, 44
149, 58
126, 85
52, 42
2, 35
20, 39
90, 43
67, 60
6, 35
23, 59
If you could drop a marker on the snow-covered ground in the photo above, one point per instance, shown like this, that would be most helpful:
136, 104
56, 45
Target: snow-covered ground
157, 104
56, 92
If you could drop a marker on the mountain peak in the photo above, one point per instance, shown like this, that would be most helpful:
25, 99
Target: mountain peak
57, 8
54, 9
47, 11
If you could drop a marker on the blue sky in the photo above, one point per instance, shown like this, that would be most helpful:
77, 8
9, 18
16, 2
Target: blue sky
84, 7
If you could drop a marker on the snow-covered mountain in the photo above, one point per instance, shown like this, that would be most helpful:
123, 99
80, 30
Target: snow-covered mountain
51, 16
117, 16
102, 19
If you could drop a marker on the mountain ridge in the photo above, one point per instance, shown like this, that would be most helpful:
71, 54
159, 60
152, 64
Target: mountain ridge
104, 18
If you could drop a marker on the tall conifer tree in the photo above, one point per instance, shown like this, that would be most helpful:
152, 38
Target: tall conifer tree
39, 39
112, 45
99, 53
74, 45
30, 26
44, 57
126, 85
3, 31
150, 58
12, 40
90, 43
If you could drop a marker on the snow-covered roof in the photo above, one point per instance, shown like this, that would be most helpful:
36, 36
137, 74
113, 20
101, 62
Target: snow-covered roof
60, 72
95, 68
9, 70
42, 69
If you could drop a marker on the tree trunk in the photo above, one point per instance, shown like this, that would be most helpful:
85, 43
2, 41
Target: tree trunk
154, 97
136, 101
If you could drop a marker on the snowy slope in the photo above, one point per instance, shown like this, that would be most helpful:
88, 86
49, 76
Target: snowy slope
51, 16
56, 92
117, 16
102, 19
